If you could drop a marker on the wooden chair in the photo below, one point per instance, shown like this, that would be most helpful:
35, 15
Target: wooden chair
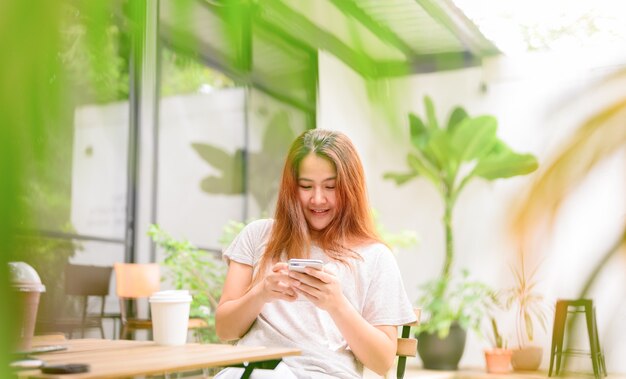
135, 281
407, 346
84, 282
48, 338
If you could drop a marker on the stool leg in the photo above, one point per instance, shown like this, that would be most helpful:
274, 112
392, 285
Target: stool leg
558, 329
600, 354
559, 355
593, 338
124, 333
553, 343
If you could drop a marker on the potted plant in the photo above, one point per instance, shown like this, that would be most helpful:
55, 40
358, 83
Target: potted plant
450, 157
498, 358
530, 310
442, 338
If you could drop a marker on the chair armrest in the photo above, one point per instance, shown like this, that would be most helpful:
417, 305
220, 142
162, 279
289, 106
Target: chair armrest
407, 346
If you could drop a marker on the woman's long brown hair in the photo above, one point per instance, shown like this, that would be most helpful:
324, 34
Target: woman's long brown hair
353, 224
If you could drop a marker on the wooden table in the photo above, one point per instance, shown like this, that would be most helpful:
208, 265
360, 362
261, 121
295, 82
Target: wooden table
126, 358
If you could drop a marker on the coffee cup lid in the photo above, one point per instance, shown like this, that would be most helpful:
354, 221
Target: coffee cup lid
24, 278
170, 296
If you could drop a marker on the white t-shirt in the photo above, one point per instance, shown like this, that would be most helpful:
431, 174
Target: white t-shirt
372, 285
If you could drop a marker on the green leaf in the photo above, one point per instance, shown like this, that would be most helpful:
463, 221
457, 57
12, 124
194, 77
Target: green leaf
529, 326
438, 151
474, 137
422, 168
422, 134
501, 162
419, 133
188, 267
400, 178
456, 117
430, 113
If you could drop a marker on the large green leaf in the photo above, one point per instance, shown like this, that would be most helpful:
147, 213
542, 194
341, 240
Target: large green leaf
504, 163
474, 137
528, 322
439, 151
419, 133
400, 177
458, 114
420, 137
422, 168
431, 118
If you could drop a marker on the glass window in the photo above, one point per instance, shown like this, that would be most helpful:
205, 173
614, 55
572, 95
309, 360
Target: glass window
221, 150
202, 132
77, 185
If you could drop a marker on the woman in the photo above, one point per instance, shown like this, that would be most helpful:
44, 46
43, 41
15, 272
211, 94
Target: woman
341, 317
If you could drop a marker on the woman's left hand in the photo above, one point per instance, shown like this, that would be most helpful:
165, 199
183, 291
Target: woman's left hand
321, 288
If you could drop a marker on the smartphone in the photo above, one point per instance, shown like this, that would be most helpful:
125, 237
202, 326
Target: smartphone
299, 265
68, 368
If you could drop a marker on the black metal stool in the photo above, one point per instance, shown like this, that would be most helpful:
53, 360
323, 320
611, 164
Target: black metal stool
558, 332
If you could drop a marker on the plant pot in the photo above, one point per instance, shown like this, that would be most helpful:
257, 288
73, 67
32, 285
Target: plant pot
498, 361
527, 358
442, 354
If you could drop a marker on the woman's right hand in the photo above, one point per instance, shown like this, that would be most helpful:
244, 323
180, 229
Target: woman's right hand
240, 305
277, 285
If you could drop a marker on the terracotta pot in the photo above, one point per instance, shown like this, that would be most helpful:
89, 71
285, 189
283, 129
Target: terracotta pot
527, 358
498, 361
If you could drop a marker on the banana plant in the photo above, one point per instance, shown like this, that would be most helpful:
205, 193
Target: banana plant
450, 156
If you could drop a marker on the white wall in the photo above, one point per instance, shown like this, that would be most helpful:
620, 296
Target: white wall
217, 119
538, 101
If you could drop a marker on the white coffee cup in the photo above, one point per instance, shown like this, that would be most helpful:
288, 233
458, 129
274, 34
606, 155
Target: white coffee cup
170, 316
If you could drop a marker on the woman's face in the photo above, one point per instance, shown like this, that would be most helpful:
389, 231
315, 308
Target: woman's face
316, 190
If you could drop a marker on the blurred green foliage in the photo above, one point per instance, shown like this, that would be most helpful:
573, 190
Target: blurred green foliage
403, 239
467, 302
95, 52
192, 269
58, 54
230, 231
97, 60
29, 95
185, 74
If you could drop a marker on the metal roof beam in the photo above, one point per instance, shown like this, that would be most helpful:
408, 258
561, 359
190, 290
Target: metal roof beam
426, 63
351, 9
453, 19
299, 27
